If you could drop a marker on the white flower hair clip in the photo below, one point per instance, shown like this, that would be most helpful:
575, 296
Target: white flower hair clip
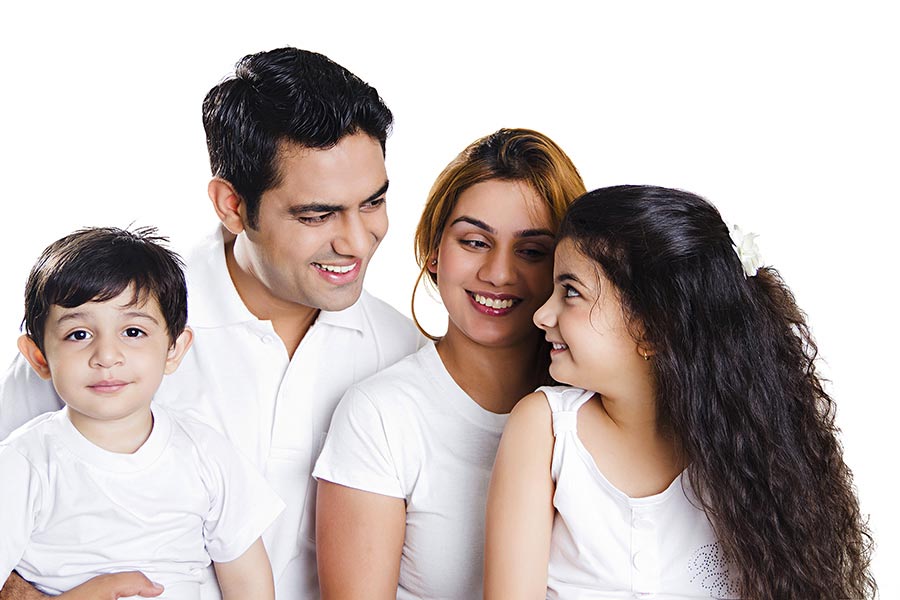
746, 249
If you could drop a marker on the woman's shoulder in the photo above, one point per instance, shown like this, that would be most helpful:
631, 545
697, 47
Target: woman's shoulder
408, 378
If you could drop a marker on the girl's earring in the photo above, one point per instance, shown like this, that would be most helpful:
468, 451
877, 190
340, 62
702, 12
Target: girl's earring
433, 262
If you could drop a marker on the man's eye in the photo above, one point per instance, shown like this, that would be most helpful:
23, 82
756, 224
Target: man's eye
374, 204
134, 332
79, 335
315, 219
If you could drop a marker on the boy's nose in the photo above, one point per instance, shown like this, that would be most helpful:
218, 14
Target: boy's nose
106, 354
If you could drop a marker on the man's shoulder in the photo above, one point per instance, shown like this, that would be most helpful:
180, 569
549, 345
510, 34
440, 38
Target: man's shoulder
23, 396
384, 318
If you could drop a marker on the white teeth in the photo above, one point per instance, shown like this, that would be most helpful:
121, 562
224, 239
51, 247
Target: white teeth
493, 302
335, 268
557, 346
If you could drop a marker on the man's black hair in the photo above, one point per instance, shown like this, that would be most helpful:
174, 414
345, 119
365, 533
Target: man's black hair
284, 96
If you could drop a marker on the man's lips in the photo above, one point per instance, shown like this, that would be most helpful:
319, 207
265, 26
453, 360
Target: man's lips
337, 272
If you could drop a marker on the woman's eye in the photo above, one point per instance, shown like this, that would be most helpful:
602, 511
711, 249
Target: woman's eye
534, 254
134, 332
474, 243
79, 335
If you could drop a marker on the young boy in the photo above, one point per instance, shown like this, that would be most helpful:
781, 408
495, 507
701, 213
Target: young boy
109, 483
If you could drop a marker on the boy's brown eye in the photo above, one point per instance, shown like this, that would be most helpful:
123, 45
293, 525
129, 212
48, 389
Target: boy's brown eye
78, 336
134, 332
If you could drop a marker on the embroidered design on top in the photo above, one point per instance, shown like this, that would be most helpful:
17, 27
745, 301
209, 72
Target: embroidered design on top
708, 567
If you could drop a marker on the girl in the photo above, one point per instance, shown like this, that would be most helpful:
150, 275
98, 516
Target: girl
696, 454
404, 472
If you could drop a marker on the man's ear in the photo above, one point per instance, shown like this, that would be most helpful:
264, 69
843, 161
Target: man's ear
178, 350
34, 356
227, 203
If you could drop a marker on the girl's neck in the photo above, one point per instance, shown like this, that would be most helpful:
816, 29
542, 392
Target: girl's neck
494, 377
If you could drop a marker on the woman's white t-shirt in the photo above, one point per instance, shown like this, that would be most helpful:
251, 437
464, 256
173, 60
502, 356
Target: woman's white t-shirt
411, 432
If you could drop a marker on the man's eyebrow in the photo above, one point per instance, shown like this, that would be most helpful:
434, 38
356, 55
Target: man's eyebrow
519, 234
324, 207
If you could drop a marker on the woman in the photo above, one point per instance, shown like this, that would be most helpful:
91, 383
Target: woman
695, 455
404, 472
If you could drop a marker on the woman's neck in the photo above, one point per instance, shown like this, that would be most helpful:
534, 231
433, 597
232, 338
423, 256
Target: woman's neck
494, 377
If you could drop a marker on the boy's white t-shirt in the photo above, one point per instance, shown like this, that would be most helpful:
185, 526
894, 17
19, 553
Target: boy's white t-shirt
70, 510
411, 432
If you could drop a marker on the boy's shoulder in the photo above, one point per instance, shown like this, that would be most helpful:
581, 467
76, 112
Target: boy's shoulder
33, 435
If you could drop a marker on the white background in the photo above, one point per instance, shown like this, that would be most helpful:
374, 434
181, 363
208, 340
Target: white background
784, 115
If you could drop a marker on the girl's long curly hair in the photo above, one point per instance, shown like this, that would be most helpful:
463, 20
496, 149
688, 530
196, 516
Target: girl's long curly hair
736, 382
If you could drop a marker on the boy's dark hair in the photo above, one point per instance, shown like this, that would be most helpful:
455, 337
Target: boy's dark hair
97, 264
284, 95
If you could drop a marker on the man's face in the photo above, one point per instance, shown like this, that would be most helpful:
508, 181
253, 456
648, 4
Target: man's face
320, 226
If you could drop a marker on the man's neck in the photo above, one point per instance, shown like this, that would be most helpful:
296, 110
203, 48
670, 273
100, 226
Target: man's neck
290, 320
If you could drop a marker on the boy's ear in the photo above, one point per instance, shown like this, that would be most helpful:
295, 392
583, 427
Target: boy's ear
178, 350
227, 203
34, 356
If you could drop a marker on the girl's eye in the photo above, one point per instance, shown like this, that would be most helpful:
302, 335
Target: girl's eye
134, 332
79, 335
570, 292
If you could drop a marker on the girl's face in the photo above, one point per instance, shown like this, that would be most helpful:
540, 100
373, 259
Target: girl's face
495, 262
583, 319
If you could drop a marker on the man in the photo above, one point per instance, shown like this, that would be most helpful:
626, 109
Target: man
282, 325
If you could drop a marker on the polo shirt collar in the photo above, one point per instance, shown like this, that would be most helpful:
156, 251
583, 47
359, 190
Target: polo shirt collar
213, 300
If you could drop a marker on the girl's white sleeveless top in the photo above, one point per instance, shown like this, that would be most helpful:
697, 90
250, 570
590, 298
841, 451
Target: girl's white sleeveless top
606, 544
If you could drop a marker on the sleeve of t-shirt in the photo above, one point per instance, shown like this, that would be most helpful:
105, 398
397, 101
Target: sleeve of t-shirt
23, 396
357, 452
242, 504
19, 502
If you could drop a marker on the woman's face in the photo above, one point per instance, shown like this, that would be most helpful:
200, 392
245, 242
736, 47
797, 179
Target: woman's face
495, 262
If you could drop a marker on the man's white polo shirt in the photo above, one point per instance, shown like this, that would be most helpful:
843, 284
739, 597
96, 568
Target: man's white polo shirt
238, 378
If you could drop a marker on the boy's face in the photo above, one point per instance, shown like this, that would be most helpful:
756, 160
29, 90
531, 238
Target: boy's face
107, 359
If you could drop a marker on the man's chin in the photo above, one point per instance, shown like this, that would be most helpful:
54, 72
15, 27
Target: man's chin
340, 301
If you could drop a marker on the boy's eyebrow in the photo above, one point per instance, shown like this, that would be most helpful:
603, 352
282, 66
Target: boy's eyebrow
137, 314
132, 314
519, 234
323, 207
